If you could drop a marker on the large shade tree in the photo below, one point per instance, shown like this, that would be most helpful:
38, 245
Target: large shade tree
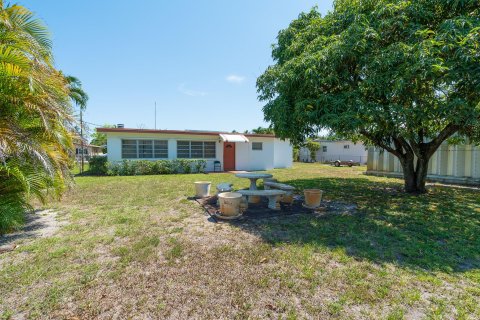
401, 75
35, 115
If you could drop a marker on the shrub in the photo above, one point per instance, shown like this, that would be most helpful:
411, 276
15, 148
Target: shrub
142, 167
146, 167
98, 165
296, 154
127, 168
313, 147
185, 165
12, 211
113, 169
164, 167
200, 166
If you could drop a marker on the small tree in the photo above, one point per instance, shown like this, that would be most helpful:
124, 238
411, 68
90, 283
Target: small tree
313, 147
100, 139
401, 75
296, 153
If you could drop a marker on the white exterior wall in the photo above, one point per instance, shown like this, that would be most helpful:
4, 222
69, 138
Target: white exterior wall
336, 151
283, 156
275, 153
252, 160
114, 144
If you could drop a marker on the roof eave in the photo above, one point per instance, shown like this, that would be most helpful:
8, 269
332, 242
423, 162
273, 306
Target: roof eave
182, 132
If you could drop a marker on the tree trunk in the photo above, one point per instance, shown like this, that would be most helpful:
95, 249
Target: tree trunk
422, 171
415, 176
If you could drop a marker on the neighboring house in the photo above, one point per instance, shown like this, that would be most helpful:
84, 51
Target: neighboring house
89, 150
450, 163
233, 151
331, 150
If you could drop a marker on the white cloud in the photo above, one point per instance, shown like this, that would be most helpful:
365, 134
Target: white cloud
192, 93
235, 78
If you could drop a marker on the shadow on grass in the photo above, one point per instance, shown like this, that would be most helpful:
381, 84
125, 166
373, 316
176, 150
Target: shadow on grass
35, 225
439, 231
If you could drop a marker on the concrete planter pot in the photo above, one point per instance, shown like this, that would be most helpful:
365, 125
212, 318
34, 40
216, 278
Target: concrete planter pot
313, 197
288, 199
202, 189
230, 203
254, 199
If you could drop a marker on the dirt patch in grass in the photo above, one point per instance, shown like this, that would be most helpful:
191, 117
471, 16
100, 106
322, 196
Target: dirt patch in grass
39, 224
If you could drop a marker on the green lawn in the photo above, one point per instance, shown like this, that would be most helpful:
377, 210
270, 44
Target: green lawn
135, 247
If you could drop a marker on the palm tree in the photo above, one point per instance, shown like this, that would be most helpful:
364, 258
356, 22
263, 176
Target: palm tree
35, 115
261, 130
80, 98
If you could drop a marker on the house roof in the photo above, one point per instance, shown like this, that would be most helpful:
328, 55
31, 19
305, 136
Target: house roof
185, 132
338, 141
86, 144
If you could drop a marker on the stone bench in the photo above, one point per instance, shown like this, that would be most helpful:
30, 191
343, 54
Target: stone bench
224, 187
272, 196
276, 185
288, 197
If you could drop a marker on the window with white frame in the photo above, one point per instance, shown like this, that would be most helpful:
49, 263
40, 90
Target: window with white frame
79, 151
347, 146
144, 149
257, 146
160, 149
324, 148
129, 149
196, 149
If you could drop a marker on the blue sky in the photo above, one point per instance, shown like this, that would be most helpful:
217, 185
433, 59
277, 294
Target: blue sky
197, 59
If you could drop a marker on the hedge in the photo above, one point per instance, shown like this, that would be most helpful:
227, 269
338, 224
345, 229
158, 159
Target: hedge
145, 167
98, 165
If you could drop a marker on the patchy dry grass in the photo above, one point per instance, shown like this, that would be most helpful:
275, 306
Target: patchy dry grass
135, 247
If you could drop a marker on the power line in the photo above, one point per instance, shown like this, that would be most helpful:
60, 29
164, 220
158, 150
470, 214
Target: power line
94, 124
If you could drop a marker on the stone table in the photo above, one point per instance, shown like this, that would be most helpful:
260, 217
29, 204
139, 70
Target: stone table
253, 177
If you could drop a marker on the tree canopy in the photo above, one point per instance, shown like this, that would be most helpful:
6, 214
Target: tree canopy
100, 139
401, 75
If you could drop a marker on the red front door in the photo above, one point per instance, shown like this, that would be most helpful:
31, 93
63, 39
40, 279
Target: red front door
229, 156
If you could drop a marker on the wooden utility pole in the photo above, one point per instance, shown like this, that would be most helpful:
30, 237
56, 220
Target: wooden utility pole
81, 139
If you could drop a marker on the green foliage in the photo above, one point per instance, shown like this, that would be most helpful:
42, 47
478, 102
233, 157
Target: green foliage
12, 209
100, 139
261, 130
98, 165
147, 167
296, 153
200, 165
35, 118
313, 147
401, 75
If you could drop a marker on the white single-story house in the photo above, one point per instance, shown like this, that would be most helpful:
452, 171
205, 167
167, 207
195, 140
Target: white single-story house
332, 150
89, 150
459, 164
231, 150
